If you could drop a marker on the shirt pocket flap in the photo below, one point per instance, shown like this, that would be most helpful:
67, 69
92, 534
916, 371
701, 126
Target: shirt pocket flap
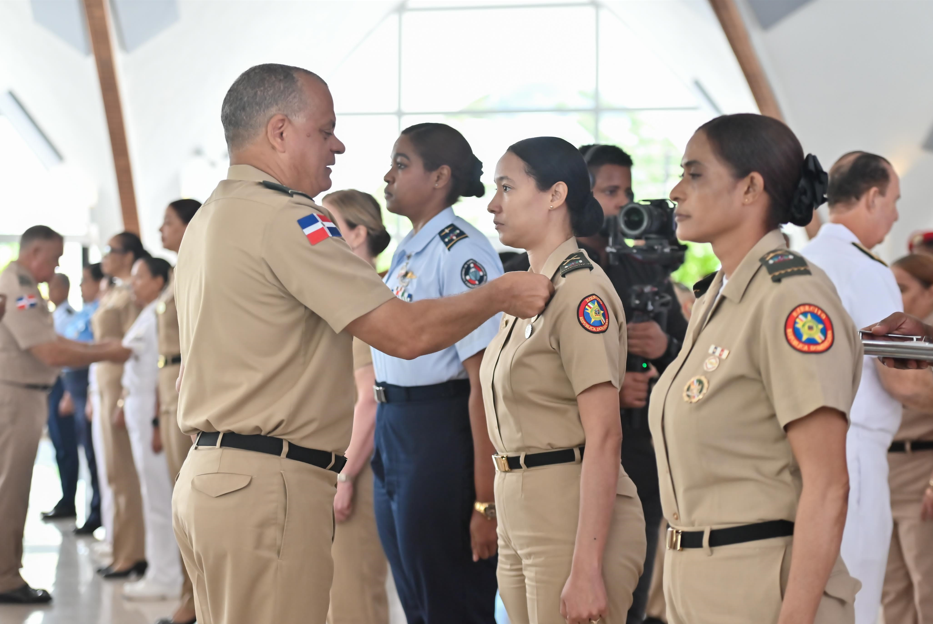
843, 587
220, 483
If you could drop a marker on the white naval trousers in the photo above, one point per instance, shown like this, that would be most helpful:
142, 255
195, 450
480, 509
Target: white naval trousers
869, 523
161, 549
97, 436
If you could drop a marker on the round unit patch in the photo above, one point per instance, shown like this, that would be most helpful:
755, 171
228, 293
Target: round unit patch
711, 364
473, 274
808, 329
696, 389
593, 315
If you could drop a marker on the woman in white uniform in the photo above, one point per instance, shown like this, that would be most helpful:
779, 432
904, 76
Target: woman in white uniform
163, 577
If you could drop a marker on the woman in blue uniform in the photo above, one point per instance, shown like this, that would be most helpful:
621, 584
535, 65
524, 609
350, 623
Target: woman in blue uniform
433, 476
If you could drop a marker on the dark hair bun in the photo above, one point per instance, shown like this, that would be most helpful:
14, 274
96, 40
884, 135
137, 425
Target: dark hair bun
810, 193
475, 186
588, 221
378, 241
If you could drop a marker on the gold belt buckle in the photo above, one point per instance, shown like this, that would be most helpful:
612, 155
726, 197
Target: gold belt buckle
163, 361
673, 539
501, 462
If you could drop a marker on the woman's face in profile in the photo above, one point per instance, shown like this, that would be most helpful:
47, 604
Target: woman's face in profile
408, 185
146, 288
519, 209
918, 300
708, 197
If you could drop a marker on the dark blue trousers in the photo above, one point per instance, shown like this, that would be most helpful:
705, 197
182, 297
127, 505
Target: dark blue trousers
424, 494
67, 433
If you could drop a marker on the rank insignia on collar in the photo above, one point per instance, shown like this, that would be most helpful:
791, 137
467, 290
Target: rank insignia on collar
696, 389
593, 315
281, 188
700, 288
719, 352
472, 273
782, 263
575, 262
451, 235
808, 329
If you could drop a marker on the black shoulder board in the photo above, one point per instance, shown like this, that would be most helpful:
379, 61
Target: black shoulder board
575, 261
281, 188
24, 281
451, 235
700, 288
781, 263
869, 254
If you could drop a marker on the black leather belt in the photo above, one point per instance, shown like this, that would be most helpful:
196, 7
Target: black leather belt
547, 458
39, 387
678, 540
169, 360
388, 393
273, 446
909, 446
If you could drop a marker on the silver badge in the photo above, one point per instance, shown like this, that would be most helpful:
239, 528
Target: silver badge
528, 331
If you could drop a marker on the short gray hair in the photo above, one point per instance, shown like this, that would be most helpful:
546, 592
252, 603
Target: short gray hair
259, 93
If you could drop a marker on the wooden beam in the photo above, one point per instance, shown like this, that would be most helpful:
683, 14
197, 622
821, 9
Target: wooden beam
98, 21
732, 24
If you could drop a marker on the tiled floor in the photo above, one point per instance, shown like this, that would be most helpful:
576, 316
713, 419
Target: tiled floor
58, 561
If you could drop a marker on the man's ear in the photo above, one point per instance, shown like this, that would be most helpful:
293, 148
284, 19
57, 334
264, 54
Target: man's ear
275, 132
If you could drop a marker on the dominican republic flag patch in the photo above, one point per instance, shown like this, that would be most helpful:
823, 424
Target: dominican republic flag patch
26, 302
317, 227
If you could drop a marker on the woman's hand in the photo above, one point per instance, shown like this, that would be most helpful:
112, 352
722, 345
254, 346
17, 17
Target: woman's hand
66, 406
584, 598
483, 537
343, 501
156, 440
926, 507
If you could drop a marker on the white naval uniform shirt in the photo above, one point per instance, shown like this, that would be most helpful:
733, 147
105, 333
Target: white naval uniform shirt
141, 371
869, 293
447, 256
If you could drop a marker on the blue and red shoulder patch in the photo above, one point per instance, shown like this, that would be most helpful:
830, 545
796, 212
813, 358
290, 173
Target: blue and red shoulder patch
26, 302
473, 274
593, 315
318, 227
809, 329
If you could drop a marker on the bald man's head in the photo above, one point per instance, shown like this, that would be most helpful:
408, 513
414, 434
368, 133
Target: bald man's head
854, 174
260, 93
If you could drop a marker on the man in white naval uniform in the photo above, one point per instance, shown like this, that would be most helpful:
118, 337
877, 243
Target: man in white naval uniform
862, 196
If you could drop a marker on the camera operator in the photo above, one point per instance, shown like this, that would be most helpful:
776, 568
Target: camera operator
654, 342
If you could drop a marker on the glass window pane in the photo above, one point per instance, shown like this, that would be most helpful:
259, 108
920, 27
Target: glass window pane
498, 59
366, 81
656, 141
490, 135
450, 4
631, 75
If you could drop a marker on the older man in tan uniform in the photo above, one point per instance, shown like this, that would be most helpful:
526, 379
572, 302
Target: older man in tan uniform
30, 354
265, 287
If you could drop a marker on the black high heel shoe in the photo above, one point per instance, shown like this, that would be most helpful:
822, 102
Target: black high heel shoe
137, 569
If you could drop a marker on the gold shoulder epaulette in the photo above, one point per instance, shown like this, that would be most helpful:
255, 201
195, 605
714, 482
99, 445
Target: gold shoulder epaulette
869, 254
781, 263
575, 262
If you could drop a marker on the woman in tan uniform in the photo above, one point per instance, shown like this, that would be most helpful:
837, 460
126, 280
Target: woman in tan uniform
167, 436
750, 420
358, 593
571, 528
113, 318
908, 581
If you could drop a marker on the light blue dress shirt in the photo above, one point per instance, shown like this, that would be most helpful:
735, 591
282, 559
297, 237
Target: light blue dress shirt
79, 324
448, 256
62, 316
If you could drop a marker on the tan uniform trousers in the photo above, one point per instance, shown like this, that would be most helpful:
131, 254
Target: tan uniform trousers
255, 533
358, 594
23, 413
656, 607
129, 531
538, 510
908, 583
175, 445
745, 583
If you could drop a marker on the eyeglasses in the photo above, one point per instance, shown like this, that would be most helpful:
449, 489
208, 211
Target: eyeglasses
116, 250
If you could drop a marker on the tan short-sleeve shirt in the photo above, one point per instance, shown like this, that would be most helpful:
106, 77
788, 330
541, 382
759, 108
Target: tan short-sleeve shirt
531, 380
362, 354
262, 305
27, 323
116, 314
756, 358
167, 322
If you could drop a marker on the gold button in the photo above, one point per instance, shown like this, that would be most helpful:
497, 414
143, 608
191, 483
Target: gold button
676, 516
